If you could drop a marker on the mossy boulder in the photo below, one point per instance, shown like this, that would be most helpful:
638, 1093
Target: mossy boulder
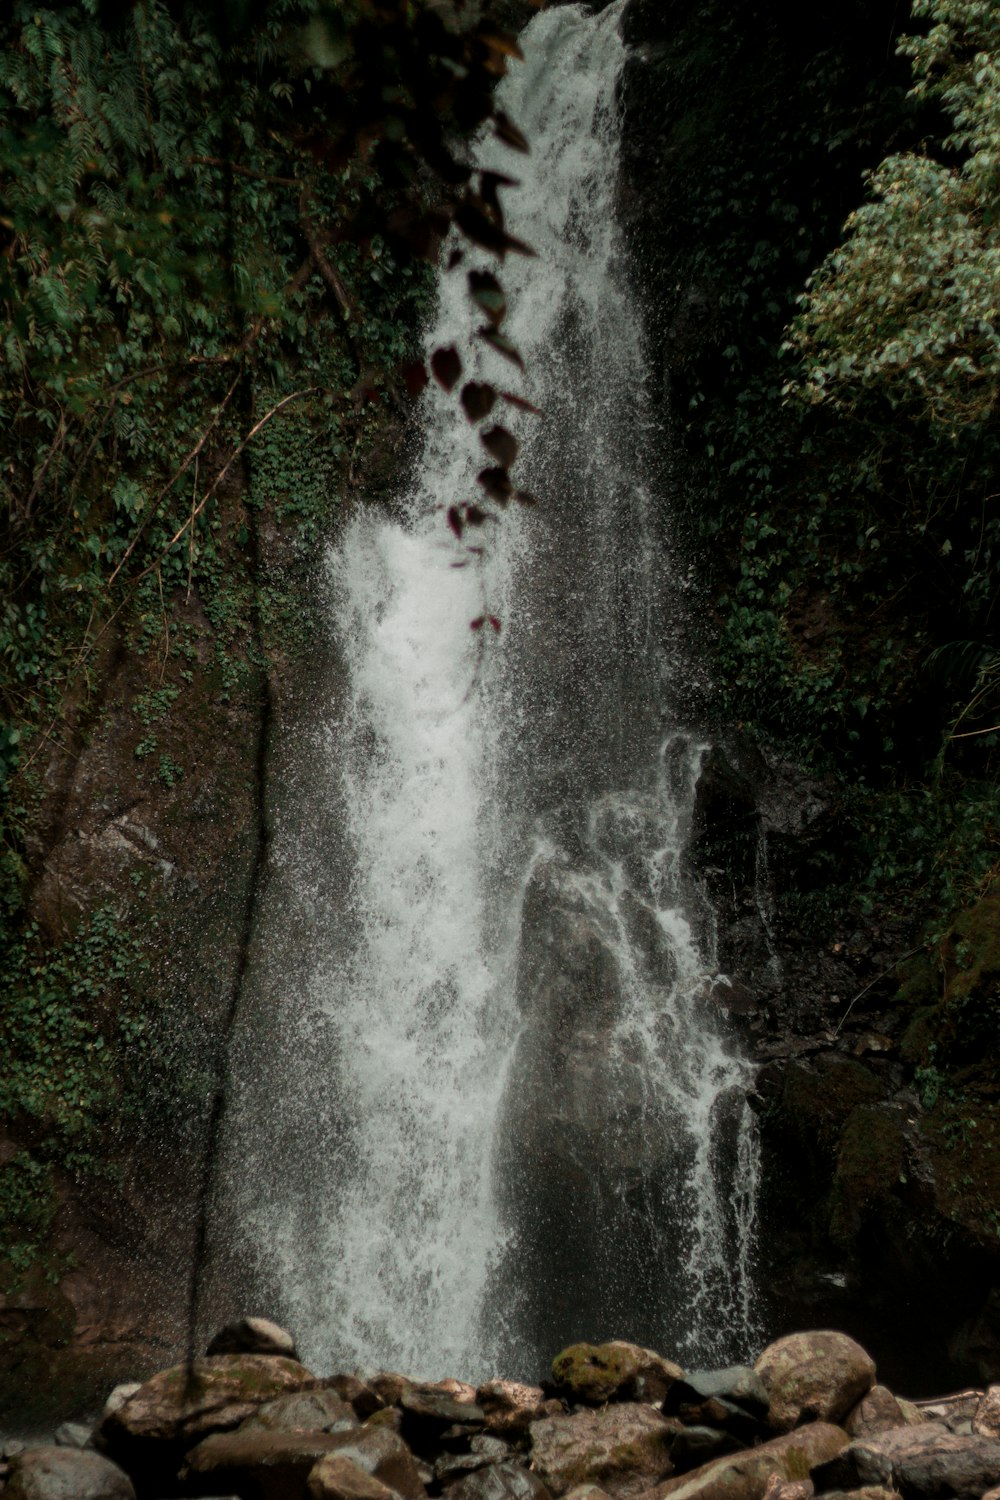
616, 1371
870, 1165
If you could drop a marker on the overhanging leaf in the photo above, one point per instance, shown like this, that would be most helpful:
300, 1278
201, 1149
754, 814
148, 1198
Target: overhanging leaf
446, 366
501, 445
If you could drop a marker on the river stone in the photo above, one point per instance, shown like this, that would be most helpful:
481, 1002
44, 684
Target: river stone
744, 1476
53, 1473
509, 1408
72, 1435
428, 1410
617, 1371
694, 1446
879, 1411
817, 1375
256, 1462
624, 1448
153, 1429
920, 1462
739, 1385
956, 1410
987, 1418
389, 1386
788, 1489
304, 1411
379, 1450
499, 1482
361, 1396
334, 1477
253, 1336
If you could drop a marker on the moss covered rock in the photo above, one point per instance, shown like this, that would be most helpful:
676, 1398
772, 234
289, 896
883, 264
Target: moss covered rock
616, 1371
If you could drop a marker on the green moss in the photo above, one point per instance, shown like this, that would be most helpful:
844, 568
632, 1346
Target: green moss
593, 1372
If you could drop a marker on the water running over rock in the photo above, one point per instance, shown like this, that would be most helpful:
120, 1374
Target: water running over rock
524, 1123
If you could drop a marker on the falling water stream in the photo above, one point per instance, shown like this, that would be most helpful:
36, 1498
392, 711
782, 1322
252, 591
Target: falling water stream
492, 1108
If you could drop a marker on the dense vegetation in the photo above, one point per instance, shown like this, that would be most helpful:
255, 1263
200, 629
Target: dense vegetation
840, 443
214, 229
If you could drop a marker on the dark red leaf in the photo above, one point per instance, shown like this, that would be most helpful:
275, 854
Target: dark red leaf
494, 622
501, 344
476, 517
525, 497
447, 367
487, 292
455, 520
506, 131
477, 400
501, 445
477, 623
415, 376
519, 401
496, 483
482, 230
489, 182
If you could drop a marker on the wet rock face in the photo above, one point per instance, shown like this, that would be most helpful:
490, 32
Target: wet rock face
625, 1449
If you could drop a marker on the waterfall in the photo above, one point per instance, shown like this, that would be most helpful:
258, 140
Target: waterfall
485, 1104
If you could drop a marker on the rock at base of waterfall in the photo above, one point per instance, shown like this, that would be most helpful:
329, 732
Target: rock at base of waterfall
695, 1446
879, 1411
389, 1386
736, 1385
428, 1410
987, 1418
358, 1392
506, 1481
509, 1408
256, 1460
51, 1473
72, 1435
788, 1489
745, 1475
922, 1462
379, 1450
151, 1430
624, 1448
813, 1376
616, 1371
253, 1336
304, 1411
334, 1477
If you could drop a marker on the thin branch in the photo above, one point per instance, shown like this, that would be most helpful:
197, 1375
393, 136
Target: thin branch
196, 510
185, 465
872, 983
231, 166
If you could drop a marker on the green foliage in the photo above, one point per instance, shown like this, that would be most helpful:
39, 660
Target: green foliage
908, 304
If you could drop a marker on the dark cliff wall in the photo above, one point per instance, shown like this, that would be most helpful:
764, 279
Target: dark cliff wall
830, 838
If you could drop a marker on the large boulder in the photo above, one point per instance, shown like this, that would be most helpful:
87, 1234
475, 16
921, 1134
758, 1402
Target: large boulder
617, 1371
738, 1385
925, 1462
745, 1475
624, 1449
60, 1473
150, 1432
378, 1450
813, 1376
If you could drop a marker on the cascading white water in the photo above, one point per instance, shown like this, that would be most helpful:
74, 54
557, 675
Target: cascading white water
466, 1107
